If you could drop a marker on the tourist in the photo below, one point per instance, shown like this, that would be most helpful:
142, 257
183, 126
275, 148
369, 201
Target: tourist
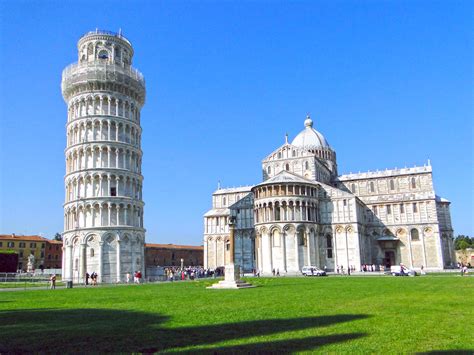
273, 272
94, 278
127, 277
87, 278
52, 282
278, 272
337, 266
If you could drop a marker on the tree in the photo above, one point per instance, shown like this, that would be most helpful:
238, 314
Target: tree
462, 242
58, 237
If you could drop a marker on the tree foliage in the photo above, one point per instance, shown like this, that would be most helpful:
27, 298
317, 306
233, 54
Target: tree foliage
463, 242
58, 236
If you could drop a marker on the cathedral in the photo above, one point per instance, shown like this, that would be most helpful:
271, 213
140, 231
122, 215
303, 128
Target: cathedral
304, 213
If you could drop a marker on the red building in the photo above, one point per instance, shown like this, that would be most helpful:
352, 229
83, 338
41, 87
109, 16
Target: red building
171, 255
53, 254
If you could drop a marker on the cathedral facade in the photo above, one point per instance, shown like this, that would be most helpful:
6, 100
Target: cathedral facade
304, 213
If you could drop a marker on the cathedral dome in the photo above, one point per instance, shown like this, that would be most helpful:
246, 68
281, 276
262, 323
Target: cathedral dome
309, 137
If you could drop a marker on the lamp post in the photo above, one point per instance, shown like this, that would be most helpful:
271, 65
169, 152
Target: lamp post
182, 263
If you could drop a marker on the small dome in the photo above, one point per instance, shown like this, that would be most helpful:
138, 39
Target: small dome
309, 137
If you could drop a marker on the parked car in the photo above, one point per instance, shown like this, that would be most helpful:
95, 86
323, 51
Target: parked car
312, 271
401, 270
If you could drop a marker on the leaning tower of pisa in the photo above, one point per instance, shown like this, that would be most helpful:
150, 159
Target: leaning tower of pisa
103, 209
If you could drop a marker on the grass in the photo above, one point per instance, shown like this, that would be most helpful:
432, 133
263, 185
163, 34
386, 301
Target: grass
333, 314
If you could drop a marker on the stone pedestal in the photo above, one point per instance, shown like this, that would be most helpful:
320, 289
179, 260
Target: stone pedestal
232, 279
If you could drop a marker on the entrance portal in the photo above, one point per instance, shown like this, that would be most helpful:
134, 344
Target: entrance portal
389, 258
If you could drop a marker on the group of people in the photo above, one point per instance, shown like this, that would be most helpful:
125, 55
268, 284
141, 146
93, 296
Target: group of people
369, 268
137, 277
340, 269
190, 273
464, 268
93, 278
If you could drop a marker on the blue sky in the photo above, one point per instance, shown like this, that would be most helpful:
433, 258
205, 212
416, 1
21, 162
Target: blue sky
389, 84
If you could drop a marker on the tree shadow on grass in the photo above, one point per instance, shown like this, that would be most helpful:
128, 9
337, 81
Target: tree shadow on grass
86, 330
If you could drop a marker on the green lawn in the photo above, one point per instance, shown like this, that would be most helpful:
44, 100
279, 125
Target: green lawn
332, 314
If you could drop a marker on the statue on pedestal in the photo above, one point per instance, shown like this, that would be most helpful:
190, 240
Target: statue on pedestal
31, 263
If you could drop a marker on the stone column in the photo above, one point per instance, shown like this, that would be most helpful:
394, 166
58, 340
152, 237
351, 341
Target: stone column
118, 261
347, 251
308, 247
101, 266
423, 248
231, 243
215, 253
133, 245
297, 254
205, 253
83, 264
316, 249
410, 255
270, 251
283, 236
70, 260
142, 250
63, 263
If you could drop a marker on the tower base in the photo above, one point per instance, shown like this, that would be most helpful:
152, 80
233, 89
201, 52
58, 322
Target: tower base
232, 279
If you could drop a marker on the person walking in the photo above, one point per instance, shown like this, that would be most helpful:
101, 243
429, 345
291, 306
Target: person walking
52, 282
87, 278
127, 277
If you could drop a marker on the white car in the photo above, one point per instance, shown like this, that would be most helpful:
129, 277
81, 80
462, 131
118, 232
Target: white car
312, 271
401, 270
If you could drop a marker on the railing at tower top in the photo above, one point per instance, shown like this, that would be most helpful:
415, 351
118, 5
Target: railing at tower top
99, 71
108, 33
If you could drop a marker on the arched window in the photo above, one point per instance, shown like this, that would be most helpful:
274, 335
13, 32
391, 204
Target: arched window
415, 207
329, 246
392, 185
279, 155
301, 237
269, 170
372, 187
277, 211
353, 188
223, 201
414, 234
103, 54
287, 167
294, 153
306, 165
92, 253
413, 183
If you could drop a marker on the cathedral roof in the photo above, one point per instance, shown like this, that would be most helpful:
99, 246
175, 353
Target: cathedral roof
286, 177
309, 137
217, 212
